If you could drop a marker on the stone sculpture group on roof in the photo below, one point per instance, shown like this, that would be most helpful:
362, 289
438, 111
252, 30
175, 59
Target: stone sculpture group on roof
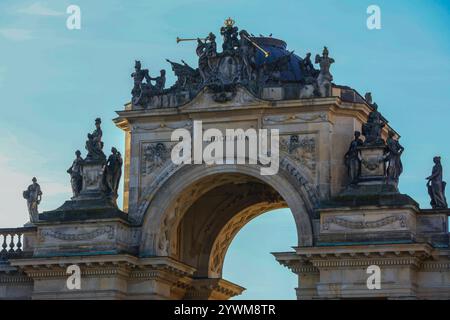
236, 65
221, 73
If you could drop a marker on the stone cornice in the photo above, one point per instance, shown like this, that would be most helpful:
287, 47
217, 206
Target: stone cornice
15, 278
356, 263
261, 104
331, 104
80, 260
396, 250
436, 266
367, 208
312, 259
213, 289
104, 265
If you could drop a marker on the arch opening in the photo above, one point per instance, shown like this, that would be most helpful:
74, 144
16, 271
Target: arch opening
211, 223
251, 249
195, 214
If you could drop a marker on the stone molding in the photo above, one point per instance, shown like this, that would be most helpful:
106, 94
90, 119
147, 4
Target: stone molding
340, 221
15, 278
109, 230
295, 118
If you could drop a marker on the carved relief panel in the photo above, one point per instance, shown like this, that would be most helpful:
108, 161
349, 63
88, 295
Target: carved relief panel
154, 157
301, 148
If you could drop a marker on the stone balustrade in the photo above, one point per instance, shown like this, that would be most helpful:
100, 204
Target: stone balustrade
12, 241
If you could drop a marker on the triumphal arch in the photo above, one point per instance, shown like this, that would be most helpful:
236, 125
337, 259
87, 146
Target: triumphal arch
336, 165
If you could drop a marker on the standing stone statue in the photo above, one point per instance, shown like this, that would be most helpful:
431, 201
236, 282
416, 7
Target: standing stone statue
372, 129
94, 144
75, 171
138, 76
352, 159
324, 79
368, 97
436, 186
113, 172
205, 51
33, 195
393, 154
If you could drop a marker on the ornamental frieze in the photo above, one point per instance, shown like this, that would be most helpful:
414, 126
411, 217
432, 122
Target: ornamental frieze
349, 224
108, 230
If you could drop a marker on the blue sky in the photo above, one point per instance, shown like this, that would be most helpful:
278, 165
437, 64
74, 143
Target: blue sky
54, 82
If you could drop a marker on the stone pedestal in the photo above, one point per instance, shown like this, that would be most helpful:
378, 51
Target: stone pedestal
92, 202
373, 166
372, 211
92, 180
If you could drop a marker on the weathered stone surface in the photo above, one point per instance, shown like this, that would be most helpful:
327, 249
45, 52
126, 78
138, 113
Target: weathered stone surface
178, 221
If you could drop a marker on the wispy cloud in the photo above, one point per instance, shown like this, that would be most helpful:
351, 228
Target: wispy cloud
39, 9
16, 34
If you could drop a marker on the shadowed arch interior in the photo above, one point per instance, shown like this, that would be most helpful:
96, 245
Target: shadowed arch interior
196, 213
210, 224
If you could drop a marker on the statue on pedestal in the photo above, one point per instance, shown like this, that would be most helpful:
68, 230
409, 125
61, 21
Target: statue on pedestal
324, 79
75, 171
394, 151
94, 144
113, 172
372, 129
33, 195
436, 186
352, 159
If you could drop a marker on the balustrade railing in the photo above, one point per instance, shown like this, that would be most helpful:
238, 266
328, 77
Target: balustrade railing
12, 241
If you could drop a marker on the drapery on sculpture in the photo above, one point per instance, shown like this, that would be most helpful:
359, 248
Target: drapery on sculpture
206, 50
352, 159
394, 151
75, 171
436, 186
94, 144
33, 195
324, 79
113, 172
372, 129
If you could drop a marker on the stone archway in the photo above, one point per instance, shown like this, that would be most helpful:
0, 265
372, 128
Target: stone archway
194, 215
